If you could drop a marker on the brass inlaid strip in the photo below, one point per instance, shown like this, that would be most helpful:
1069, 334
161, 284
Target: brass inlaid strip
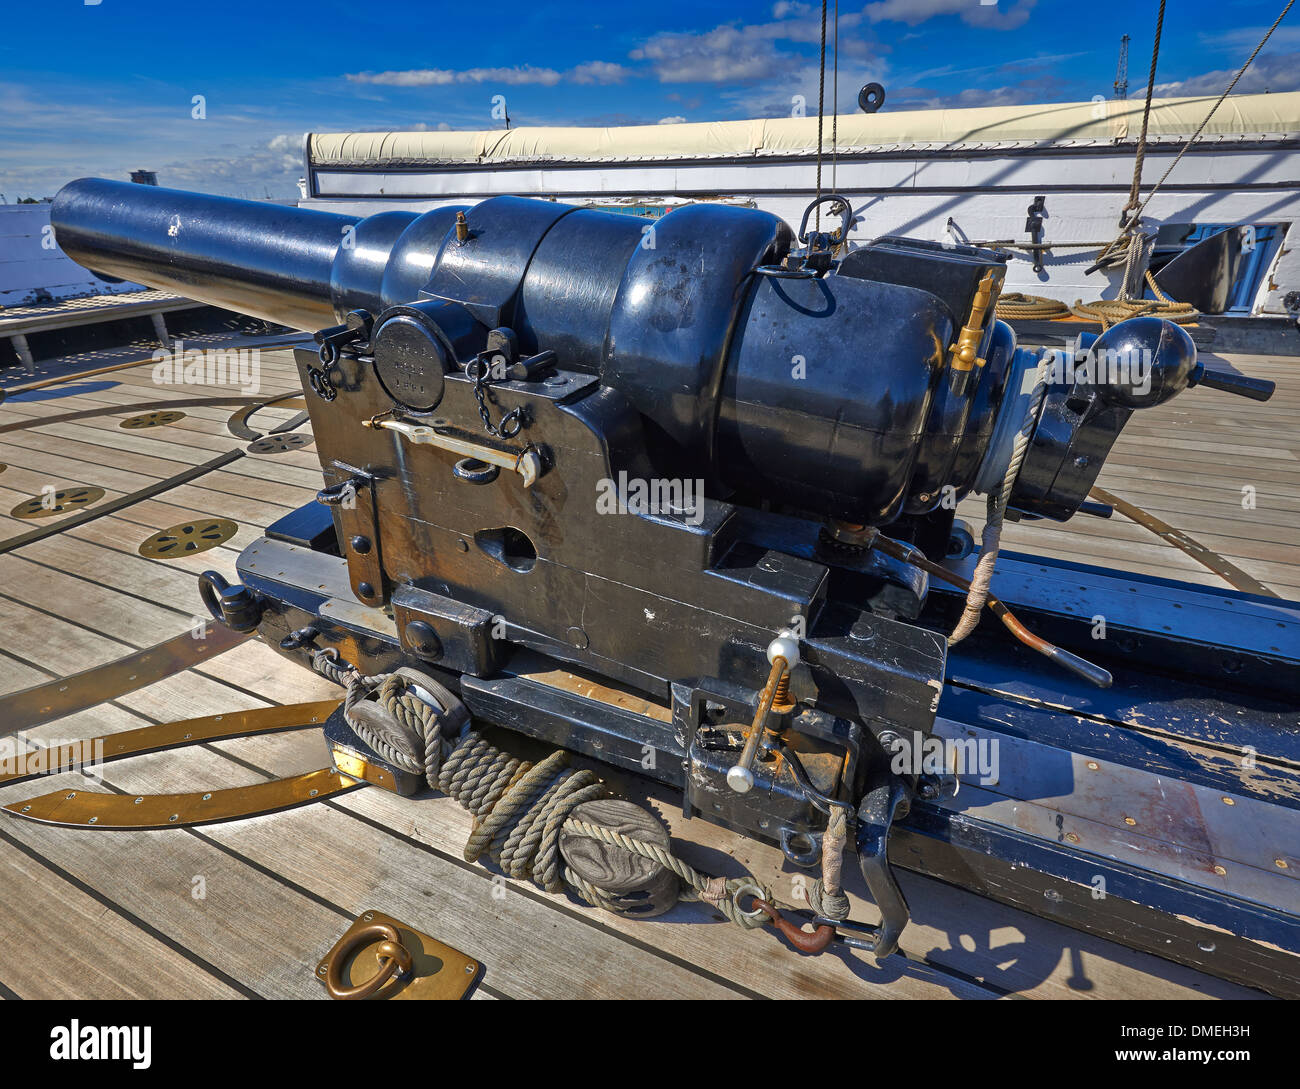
124, 812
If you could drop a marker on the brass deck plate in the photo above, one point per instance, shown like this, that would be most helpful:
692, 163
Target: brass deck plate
238, 424
168, 735
54, 699
188, 538
151, 419
278, 443
133, 812
61, 501
440, 972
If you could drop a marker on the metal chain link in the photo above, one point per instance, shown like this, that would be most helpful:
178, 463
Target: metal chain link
511, 423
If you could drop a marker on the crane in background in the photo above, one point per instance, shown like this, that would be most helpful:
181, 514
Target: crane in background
1121, 70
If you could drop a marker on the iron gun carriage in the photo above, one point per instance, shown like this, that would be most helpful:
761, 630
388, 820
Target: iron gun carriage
676, 495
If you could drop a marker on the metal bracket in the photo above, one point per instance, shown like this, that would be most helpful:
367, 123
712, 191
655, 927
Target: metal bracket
353, 498
526, 462
1034, 228
885, 801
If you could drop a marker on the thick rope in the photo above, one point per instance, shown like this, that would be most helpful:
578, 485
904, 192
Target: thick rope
827, 897
1112, 311
1213, 109
1136, 187
1015, 306
990, 541
1131, 224
1018, 307
519, 808
835, 105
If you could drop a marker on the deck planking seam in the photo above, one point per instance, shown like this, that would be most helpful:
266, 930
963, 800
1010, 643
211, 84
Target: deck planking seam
480, 873
130, 917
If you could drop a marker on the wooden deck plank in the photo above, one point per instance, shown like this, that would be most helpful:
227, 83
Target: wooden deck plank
83, 948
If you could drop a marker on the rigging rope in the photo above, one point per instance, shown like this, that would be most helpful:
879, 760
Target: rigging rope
821, 111
835, 103
1017, 307
1130, 228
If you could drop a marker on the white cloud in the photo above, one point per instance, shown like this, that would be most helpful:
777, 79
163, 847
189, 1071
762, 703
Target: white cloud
671, 120
1270, 72
971, 12
599, 72
440, 77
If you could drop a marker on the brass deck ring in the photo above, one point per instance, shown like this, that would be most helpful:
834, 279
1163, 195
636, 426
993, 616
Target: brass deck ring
394, 959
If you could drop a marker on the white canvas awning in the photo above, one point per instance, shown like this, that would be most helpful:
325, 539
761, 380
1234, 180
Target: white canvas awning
1264, 116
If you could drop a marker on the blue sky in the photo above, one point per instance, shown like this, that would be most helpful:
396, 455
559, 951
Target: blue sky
102, 88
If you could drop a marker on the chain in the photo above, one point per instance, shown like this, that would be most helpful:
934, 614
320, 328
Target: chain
511, 423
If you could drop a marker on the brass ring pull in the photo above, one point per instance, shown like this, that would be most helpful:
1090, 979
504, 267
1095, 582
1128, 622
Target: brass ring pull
394, 958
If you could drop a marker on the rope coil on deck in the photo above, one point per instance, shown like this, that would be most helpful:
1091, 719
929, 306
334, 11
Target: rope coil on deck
1018, 307
520, 808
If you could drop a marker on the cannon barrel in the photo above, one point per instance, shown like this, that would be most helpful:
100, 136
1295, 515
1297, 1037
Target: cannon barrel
268, 260
874, 391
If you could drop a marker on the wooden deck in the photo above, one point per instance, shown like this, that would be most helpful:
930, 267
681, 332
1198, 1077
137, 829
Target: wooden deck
111, 915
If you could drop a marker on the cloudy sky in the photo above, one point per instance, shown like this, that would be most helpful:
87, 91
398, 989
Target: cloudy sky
215, 95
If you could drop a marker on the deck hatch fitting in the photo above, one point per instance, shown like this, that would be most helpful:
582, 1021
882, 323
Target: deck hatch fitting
58, 501
188, 538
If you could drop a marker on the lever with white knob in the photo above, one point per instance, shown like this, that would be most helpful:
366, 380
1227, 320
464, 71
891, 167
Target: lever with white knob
783, 653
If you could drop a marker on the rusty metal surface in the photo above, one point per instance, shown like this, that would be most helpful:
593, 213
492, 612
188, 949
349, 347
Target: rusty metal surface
151, 419
188, 538
1231, 574
165, 735
1193, 833
72, 497
437, 970
46, 702
131, 812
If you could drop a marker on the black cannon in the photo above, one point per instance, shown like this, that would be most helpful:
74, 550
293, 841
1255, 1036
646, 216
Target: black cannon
624, 485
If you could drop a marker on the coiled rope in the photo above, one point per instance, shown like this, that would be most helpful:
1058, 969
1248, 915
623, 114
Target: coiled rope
1111, 311
1017, 307
520, 808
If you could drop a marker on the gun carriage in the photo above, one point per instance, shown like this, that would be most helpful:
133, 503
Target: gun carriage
680, 497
